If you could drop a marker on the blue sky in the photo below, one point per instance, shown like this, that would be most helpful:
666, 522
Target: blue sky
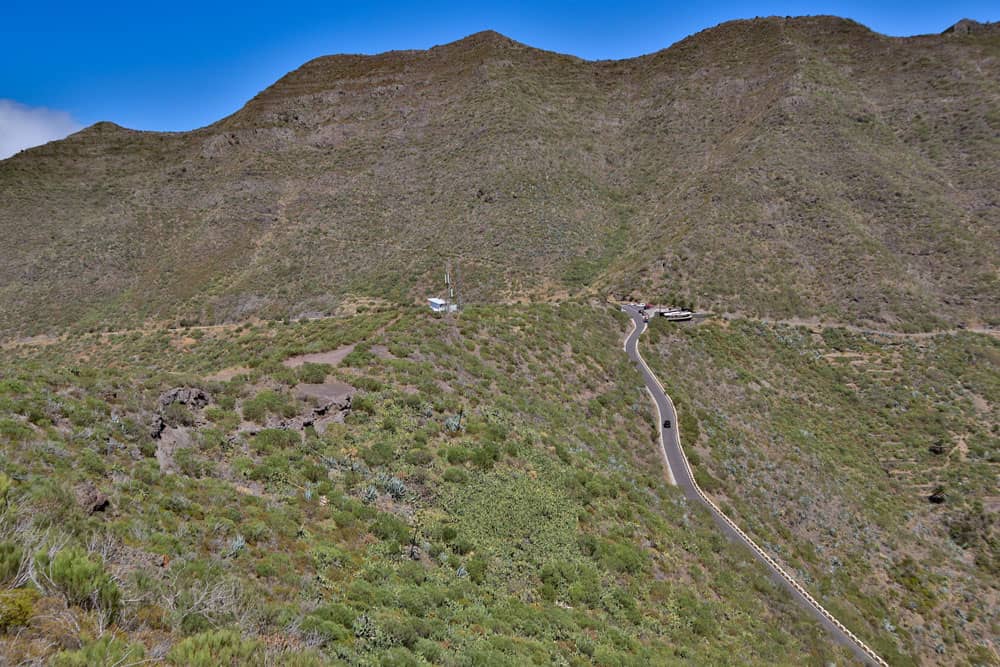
184, 64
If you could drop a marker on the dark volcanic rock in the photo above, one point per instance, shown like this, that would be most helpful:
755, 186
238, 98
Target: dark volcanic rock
190, 396
156, 430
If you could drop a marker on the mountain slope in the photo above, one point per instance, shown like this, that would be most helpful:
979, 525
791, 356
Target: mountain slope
803, 166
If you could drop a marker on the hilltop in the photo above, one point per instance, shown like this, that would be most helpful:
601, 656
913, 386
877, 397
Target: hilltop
771, 167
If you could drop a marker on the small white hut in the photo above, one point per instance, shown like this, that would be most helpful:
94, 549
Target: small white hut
441, 306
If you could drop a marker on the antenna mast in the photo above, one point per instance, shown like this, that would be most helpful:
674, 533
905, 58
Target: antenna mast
453, 296
449, 287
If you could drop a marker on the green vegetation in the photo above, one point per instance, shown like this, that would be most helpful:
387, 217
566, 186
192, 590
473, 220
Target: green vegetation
80, 580
16, 608
485, 488
541, 530
216, 647
826, 444
103, 652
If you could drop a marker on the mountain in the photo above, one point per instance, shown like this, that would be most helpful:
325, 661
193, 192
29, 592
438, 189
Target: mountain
772, 167
389, 486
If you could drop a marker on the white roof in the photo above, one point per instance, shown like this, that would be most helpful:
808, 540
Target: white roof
436, 301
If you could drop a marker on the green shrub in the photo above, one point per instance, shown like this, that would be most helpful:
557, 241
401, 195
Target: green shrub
214, 648
332, 622
327, 631
391, 529
327, 555
10, 561
14, 431
274, 468
484, 457
477, 569
455, 475
190, 463
211, 440
314, 373
6, 484
81, 581
418, 457
457, 454
16, 607
615, 556
462, 546
226, 419
104, 652
379, 454
177, 414
267, 402
269, 440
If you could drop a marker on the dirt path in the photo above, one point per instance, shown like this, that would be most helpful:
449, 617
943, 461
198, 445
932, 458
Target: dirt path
333, 357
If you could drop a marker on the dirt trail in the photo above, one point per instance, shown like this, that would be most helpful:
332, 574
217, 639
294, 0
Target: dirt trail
333, 357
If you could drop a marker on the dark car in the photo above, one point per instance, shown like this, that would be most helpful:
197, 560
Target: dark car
666, 423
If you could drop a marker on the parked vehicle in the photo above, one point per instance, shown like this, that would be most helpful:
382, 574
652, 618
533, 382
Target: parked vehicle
677, 315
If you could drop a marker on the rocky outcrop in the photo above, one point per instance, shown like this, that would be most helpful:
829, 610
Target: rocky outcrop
192, 397
91, 499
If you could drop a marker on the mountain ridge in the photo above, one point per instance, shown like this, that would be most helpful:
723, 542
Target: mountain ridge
835, 158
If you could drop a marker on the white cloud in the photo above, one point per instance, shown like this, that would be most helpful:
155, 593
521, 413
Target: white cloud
22, 126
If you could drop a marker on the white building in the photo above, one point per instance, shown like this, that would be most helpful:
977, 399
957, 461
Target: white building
441, 306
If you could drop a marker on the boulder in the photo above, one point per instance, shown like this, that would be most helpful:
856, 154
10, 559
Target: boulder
91, 499
192, 397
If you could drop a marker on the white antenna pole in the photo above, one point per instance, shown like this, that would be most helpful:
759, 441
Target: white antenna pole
447, 282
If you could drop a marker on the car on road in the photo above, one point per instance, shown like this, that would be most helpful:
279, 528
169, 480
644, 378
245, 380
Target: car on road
666, 423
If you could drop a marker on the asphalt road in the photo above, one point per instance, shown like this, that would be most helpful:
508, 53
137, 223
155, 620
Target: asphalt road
679, 472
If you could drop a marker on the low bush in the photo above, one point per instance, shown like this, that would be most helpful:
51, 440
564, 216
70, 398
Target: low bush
266, 403
270, 440
81, 581
16, 607
379, 454
214, 648
103, 652
314, 373
391, 529
11, 555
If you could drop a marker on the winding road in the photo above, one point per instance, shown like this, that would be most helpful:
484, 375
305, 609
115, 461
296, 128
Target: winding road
679, 473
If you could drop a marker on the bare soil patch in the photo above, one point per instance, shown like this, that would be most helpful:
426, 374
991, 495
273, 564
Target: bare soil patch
327, 392
170, 441
334, 357
382, 352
